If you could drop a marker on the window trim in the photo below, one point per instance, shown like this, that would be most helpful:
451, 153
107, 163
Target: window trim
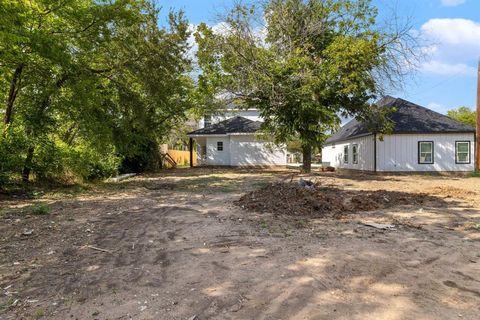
354, 146
220, 146
419, 151
469, 152
346, 160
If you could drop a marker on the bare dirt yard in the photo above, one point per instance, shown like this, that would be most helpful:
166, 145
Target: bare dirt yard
238, 244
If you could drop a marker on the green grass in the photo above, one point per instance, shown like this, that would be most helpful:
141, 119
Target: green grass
39, 313
40, 209
260, 184
474, 174
36, 210
227, 189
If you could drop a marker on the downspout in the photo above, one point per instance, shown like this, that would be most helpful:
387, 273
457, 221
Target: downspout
375, 152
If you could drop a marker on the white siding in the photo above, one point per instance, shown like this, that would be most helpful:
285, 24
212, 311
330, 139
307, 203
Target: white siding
399, 152
215, 157
333, 154
243, 150
248, 151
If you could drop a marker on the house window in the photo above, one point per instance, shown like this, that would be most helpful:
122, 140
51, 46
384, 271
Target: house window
207, 120
345, 154
219, 145
355, 154
462, 151
425, 152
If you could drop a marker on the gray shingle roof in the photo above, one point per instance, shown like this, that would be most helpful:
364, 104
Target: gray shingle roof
233, 125
408, 118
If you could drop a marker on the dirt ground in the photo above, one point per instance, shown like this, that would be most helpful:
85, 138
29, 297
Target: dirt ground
176, 246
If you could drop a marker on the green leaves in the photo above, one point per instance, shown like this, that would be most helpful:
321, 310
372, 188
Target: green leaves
464, 114
318, 60
100, 81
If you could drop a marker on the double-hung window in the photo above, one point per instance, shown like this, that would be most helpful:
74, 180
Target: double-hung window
219, 145
345, 154
355, 154
425, 152
462, 152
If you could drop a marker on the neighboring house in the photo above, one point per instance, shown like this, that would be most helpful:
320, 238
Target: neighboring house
232, 139
422, 140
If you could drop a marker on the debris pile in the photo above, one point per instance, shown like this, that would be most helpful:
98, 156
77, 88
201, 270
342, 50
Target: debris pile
308, 199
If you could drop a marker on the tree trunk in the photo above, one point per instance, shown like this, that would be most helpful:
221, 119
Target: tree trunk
12, 94
28, 165
44, 105
307, 158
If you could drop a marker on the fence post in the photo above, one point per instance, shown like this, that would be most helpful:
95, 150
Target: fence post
191, 151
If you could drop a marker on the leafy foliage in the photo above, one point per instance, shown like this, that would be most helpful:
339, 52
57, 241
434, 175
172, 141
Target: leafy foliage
90, 87
464, 114
303, 64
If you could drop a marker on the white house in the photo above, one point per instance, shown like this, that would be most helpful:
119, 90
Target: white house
422, 140
232, 138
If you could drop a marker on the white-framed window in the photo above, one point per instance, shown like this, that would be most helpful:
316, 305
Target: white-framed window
425, 152
355, 154
462, 152
219, 145
345, 154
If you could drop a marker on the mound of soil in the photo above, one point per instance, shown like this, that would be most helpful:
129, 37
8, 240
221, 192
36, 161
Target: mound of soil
316, 201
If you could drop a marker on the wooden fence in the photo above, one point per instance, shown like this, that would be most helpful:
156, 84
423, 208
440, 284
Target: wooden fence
182, 158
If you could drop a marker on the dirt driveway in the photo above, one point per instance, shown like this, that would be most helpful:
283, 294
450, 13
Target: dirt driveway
174, 246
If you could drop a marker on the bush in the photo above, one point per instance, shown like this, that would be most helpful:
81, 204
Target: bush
12, 153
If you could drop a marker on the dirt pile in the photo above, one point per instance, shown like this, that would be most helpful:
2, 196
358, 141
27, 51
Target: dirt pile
317, 201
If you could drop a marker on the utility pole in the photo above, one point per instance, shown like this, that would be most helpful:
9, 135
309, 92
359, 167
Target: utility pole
477, 139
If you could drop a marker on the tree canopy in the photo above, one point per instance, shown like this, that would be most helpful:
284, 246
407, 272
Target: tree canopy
302, 64
89, 87
464, 114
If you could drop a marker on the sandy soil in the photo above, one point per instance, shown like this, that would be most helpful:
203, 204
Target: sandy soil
174, 246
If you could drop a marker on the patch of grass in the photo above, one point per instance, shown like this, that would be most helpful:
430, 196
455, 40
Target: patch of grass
260, 184
474, 174
40, 209
263, 224
39, 313
7, 304
227, 189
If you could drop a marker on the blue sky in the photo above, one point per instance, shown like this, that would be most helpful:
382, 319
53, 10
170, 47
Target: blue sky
451, 28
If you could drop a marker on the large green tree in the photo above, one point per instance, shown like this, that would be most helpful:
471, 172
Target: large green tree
88, 85
303, 64
464, 114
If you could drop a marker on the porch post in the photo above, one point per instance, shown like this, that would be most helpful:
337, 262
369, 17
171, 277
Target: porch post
191, 151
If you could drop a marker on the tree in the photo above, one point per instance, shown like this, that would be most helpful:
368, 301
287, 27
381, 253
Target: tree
464, 114
302, 64
89, 86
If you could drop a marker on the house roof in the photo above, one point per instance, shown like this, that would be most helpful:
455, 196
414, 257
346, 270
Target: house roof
233, 125
407, 118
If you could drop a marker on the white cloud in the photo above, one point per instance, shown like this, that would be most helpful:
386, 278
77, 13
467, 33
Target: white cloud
455, 46
453, 31
452, 3
441, 68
